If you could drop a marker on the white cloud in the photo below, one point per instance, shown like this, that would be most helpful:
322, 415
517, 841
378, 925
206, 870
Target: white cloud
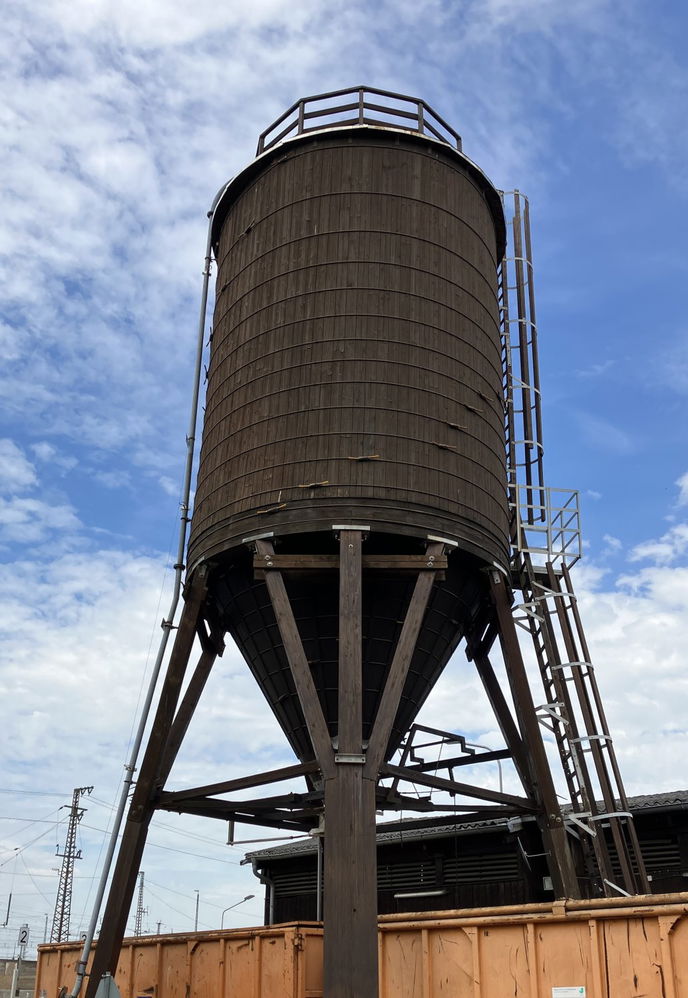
115, 479
17, 474
613, 543
670, 546
682, 483
49, 454
169, 486
29, 521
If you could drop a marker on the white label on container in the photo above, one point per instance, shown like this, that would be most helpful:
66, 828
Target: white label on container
570, 992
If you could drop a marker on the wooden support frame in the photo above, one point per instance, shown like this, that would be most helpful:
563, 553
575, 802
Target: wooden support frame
389, 704
241, 783
538, 776
141, 809
345, 773
350, 967
298, 663
524, 804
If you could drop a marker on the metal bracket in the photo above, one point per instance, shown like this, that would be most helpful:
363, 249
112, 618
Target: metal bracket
351, 758
576, 820
258, 537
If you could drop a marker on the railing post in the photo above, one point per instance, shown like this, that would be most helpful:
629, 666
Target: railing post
361, 106
302, 109
421, 120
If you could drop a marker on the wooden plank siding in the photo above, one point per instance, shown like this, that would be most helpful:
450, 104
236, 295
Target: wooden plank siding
356, 316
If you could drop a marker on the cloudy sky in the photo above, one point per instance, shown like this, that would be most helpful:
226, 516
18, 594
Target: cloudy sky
120, 122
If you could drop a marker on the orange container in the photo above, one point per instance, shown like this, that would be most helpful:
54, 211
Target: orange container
621, 948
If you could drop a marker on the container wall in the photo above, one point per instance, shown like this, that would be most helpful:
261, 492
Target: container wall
612, 949
356, 317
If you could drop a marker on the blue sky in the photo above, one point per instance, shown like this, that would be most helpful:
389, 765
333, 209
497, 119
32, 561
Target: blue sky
120, 122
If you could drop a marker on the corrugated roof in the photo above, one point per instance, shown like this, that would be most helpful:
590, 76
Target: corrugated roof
302, 847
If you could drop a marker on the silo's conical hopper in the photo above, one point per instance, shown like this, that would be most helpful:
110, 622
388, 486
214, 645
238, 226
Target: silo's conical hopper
250, 618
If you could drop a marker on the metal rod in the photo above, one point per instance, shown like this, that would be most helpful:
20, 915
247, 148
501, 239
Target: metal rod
318, 898
167, 624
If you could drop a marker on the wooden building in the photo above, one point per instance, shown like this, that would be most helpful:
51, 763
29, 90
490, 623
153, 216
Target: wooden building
431, 865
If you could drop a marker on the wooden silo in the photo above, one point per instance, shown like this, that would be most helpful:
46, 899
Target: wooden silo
353, 517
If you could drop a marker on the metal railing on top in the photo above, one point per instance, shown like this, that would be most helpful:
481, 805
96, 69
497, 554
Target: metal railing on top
388, 110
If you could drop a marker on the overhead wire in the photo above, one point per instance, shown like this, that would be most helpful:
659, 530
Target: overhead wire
47, 900
20, 849
32, 793
177, 911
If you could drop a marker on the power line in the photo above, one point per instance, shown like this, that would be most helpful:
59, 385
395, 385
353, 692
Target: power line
32, 793
20, 849
183, 852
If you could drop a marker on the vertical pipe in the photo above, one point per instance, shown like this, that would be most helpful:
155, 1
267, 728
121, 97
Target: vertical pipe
167, 624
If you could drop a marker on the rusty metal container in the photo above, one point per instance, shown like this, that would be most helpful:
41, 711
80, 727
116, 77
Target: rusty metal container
588, 949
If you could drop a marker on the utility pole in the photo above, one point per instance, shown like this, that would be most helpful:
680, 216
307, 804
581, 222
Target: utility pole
140, 910
63, 902
196, 917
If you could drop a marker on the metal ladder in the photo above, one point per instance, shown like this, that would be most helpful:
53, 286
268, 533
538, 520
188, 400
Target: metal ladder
573, 709
574, 713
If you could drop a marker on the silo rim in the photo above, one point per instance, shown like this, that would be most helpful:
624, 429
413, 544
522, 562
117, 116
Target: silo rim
233, 188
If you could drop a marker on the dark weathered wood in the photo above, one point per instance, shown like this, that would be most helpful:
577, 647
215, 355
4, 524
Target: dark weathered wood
289, 800
240, 783
301, 673
349, 728
404, 802
460, 760
350, 886
330, 562
507, 725
389, 703
141, 808
305, 325
289, 822
453, 787
561, 865
182, 718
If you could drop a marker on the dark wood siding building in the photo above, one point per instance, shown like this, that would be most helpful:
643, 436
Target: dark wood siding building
428, 866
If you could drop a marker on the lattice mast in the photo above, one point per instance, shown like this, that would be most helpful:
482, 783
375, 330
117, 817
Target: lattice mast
63, 902
546, 542
140, 910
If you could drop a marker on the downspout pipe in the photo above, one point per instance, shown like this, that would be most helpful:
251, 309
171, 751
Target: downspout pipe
269, 909
167, 623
